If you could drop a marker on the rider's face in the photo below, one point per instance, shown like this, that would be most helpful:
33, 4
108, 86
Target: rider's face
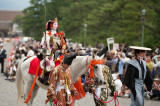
55, 25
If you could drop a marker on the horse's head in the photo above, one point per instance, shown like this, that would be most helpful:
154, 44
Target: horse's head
98, 67
98, 73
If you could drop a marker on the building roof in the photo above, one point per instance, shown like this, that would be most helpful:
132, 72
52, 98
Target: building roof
6, 18
9, 15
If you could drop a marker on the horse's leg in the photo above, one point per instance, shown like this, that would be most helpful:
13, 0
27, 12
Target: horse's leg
20, 86
35, 90
28, 85
74, 103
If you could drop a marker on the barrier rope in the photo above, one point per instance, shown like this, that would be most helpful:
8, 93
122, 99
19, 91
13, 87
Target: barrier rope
56, 101
114, 98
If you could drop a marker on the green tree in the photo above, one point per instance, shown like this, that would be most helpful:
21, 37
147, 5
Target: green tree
152, 23
33, 21
120, 19
19, 20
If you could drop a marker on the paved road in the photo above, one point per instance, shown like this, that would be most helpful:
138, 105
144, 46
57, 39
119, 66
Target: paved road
8, 94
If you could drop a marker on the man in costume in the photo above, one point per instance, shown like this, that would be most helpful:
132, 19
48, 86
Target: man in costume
61, 88
137, 74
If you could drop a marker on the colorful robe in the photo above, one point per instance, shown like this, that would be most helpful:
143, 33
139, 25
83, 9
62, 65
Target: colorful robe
61, 85
54, 40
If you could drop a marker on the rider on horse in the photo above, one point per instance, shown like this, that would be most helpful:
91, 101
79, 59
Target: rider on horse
52, 41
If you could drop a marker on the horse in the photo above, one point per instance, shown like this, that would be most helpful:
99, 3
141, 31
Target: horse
78, 68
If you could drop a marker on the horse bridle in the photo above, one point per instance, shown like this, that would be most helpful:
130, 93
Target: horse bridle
91, 66
87, 67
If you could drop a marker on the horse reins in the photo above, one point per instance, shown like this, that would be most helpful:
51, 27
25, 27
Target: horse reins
91, 66
88, 79
114, 97
87, 69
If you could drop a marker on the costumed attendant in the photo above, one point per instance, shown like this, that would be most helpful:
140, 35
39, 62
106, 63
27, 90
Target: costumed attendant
61, 88
138, 74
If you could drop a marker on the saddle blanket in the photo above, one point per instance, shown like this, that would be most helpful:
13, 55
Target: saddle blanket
34, 65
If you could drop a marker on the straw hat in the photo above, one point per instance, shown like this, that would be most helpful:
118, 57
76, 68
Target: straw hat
140, 48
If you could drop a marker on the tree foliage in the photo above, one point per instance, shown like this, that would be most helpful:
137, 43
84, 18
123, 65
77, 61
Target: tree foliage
121, 19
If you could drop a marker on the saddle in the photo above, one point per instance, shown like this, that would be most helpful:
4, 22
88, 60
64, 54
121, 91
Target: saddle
33, 68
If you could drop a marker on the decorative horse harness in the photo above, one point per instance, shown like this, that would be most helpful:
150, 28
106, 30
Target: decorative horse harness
91, 66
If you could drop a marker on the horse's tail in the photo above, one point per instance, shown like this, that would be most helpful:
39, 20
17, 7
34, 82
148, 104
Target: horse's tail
19, 83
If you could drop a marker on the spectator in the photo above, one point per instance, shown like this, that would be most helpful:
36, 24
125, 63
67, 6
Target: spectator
101, 45
2, 57
157, 66
23, 53
117, 81
157, 50
149, 63
109, 62
155, 60
119, 63
30, 51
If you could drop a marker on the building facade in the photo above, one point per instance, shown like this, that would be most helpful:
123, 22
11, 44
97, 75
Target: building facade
7, 27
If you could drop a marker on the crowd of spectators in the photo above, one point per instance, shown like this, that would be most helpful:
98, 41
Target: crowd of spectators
116, 61
20, 49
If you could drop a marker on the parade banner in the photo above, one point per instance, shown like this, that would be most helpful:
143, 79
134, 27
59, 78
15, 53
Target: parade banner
110, 41
115, 46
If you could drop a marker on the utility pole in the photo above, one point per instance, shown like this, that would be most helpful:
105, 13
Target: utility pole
143, 14
85, 31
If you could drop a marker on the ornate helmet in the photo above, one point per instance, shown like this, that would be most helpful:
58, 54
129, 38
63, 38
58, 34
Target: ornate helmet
49, 24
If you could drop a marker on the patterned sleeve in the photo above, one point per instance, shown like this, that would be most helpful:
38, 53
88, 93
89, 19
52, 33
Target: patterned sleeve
71, 85
52, 84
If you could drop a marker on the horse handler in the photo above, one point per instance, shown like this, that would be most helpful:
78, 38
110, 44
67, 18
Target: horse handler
138, 74
61, 88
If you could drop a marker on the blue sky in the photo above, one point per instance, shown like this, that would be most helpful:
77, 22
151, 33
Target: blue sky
14, 4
